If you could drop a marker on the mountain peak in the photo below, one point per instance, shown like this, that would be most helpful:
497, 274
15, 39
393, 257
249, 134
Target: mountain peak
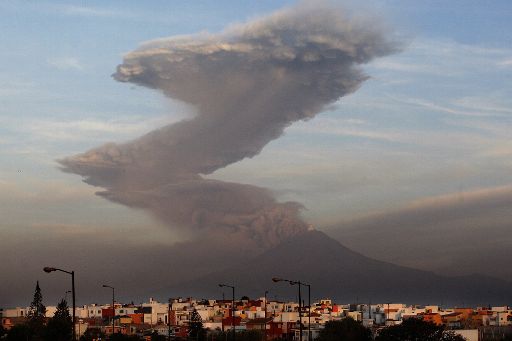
334, 271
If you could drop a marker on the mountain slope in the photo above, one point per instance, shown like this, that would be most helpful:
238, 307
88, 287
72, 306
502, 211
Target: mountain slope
469, 231
337, 272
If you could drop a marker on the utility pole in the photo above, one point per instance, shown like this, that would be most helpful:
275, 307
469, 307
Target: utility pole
113, 306
299, 283
232, 308
48, 269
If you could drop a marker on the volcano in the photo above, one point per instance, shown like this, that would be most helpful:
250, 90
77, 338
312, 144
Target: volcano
336, 272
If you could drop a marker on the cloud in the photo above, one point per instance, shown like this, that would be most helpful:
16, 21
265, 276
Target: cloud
343, 127
462, 110
64, 229
407, 67
50, 192
12, 88
481, 198
89, 11
421, 138
449, 49
484, 104
442, 63
507, 62
248, 84
44, 132
454, 233
87, 129
66, 63
71, 10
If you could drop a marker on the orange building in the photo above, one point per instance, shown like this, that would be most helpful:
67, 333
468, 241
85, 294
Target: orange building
452, 319
137, 318
432, 318
468, 317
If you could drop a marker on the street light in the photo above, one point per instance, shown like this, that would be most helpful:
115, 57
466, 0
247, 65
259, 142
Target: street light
66, 295
48, 269
309, 310
113, 306
232, 308
299, 283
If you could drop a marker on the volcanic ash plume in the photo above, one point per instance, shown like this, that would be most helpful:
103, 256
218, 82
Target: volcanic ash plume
248, 84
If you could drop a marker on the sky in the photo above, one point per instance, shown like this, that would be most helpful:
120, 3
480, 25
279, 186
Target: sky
430, 126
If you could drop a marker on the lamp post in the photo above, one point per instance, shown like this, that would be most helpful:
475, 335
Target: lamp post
298, 283
113, 306
232, 308
309, 310
72, 273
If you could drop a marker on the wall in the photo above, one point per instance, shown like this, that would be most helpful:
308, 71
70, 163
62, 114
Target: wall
468, 334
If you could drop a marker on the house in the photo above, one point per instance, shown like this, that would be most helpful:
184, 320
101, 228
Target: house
261, 324
432, 318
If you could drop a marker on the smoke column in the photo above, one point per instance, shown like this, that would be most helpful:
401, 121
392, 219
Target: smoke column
248, 83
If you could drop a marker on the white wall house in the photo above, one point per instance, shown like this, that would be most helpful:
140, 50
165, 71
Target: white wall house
94, 310
15, 312
159, 312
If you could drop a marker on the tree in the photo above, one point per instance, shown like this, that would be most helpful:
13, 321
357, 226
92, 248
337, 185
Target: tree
413, 329
60, 326
249, 335
18, 333
196, 330
37, 309
122, 337
92, 334
347, 330
244, 335
36, 315
156, 337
